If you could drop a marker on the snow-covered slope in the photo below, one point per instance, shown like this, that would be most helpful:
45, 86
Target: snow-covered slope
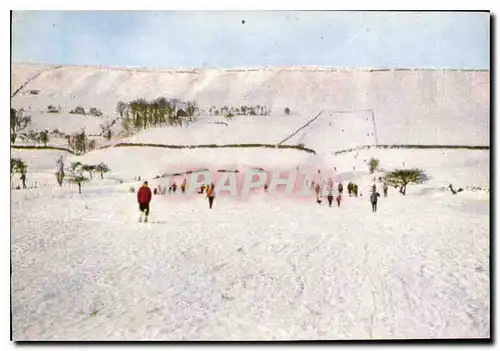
410, 106
22, 73
242, 130
333, 131
266, 267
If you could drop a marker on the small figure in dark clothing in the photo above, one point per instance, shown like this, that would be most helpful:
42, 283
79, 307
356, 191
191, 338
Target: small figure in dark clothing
349, 188
386, 188
341, 188
317, 190
330, 198
155, 191
265, 187
211, 195
339, 198
174, 187
355, 189
374, 199
183, 186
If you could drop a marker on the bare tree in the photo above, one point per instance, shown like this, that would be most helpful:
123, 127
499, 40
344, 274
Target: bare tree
60, 171
18, 122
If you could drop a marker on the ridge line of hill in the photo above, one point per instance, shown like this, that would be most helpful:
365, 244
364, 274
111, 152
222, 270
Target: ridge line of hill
253, 69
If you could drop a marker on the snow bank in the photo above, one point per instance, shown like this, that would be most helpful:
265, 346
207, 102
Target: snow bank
149, 162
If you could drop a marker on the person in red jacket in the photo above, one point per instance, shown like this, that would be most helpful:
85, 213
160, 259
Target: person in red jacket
144, 198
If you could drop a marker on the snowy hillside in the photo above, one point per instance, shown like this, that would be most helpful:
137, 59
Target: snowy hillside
242, 130
410, 106
338, 131
268, 267
22, 73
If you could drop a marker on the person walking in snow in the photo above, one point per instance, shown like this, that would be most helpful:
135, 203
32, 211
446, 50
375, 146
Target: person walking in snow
183, 186
317, 190
211, 195
144, 198
374, 199
386, 189
341, 188
174, 187
339, 198
330, 197
349, 188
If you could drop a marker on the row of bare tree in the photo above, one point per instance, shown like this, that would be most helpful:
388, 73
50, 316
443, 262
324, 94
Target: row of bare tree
243, 110
142, 114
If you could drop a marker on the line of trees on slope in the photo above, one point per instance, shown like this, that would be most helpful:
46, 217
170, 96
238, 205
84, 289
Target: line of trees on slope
79, 110
78, 142
243, 110
142, 114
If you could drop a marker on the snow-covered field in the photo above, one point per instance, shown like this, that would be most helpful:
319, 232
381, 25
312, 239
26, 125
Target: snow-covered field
264, 269
267, 267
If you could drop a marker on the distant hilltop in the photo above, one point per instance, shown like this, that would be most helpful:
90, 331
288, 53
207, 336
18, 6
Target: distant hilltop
247, 69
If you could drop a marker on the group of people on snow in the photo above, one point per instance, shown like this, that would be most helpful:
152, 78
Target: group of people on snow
144, 194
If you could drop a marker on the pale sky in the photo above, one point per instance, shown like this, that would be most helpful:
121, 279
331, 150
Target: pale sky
193, 39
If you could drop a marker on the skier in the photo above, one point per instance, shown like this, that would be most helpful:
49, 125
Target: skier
155, 192
330, 197
183, 186
174, 187
355, 189
349, 188
144, 198
386, 188
341, 188
374, 199
211, 195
